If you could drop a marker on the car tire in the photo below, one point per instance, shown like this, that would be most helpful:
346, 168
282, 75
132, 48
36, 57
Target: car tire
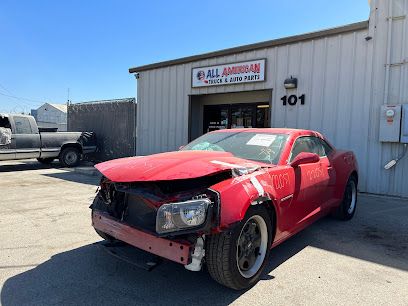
46, 161
70, 157
237, 258
348, 205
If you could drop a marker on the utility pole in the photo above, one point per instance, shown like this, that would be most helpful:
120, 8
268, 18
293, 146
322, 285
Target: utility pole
68, 102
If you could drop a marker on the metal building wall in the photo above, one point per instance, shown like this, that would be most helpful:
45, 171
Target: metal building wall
343, 77
50, 116
388, 26
114, 123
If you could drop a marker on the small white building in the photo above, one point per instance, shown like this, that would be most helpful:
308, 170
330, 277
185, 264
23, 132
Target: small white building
51, 115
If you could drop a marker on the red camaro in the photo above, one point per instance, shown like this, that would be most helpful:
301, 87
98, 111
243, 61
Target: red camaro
226, 198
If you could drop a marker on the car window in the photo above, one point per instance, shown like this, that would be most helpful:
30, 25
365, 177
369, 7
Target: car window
318, 147
22, 125
325, 148
306, 144
263, 147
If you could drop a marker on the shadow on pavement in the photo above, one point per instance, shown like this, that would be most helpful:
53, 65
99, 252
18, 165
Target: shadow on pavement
75, 177
27, 165
89, 275
377, 233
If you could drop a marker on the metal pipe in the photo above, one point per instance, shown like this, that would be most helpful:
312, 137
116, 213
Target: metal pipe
404, 59
388, 56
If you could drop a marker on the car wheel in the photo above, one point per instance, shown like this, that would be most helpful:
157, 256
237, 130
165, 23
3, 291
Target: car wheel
348, 206
46, 161
237, 258
70, 157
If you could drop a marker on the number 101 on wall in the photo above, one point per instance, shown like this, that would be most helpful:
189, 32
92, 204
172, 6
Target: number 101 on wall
293, 99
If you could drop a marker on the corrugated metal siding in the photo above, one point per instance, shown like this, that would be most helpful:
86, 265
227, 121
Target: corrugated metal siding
393, 181
113, 122
342, 76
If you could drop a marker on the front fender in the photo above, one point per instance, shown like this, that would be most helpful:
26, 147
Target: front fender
237, 194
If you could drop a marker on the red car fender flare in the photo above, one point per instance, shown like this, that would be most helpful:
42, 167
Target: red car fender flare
340, 191
238, 194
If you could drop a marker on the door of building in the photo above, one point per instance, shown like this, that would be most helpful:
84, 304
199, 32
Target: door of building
227, 116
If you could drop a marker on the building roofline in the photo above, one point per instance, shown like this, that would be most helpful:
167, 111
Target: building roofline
58, 106
265, 44
119, 100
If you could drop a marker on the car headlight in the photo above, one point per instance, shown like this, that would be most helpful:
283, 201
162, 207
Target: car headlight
178, 216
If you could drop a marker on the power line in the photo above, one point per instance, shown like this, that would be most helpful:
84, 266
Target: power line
23, 104
21, 98
12, 95
20, 103
4, 88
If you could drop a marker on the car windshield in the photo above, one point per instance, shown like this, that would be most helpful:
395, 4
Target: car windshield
262, 147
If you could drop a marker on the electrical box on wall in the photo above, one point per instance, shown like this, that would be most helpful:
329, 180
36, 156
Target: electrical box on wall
390, 123
404, 124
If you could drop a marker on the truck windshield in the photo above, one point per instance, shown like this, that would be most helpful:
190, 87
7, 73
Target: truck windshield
262, 147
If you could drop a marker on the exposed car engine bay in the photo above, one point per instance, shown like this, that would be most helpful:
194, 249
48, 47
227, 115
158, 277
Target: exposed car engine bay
140, 204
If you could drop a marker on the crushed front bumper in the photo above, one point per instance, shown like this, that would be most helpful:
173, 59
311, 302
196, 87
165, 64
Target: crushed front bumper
177, 251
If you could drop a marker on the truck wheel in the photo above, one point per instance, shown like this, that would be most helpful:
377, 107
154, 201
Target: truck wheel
347, 207
46, 161
237, 258
70, 157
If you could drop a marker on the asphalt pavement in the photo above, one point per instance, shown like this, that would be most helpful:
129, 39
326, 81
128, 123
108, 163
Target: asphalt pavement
50, 254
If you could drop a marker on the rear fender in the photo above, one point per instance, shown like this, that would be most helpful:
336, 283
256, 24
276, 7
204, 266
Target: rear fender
345, 163
72, 145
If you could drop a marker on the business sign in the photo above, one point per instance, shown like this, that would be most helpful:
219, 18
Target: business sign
235, 73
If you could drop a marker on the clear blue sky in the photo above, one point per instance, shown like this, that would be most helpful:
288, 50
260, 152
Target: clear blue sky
47, 47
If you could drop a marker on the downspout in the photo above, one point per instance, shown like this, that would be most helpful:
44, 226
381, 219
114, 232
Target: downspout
404, 59
136, 111
135, 127
388, 57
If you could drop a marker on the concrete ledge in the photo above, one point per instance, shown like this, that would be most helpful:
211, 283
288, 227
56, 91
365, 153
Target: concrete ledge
86, 170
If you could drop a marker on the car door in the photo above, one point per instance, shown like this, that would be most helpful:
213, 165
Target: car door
310, 182
27, 138
7, 141
328, 174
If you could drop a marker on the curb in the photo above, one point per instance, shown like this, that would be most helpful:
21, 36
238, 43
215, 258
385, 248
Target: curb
89, 171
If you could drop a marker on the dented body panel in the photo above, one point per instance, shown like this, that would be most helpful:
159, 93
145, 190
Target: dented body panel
177, 251
296, 195
170, 166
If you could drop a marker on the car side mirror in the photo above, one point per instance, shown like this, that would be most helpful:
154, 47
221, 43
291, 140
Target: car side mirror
305, 158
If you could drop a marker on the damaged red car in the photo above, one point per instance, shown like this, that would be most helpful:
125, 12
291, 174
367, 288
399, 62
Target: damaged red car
225, 199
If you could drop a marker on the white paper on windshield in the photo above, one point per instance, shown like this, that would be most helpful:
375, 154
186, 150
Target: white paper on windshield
262, 140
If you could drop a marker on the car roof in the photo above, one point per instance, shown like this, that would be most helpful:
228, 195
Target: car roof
288, 131
9, 115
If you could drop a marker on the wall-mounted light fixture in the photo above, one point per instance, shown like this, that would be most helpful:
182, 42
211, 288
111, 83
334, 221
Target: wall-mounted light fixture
137, 76
290, 83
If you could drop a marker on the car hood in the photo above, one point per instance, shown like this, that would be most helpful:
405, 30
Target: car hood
173, 166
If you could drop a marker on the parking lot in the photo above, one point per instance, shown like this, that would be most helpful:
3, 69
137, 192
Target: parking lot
50, 254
